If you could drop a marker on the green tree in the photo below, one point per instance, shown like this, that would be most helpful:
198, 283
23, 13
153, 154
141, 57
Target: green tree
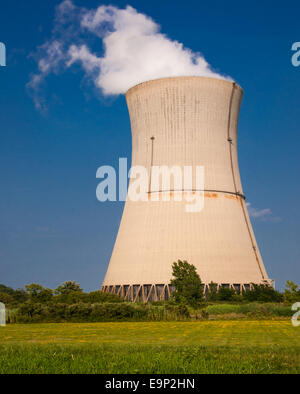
68, 287
187, 283
38, 293
19, 295
73, 297
291, 292
6, 298
6, 289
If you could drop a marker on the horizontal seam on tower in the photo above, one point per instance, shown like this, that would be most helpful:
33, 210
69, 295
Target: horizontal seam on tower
198, 190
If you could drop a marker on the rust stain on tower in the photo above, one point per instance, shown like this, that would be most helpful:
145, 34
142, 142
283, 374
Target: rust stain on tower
185, 121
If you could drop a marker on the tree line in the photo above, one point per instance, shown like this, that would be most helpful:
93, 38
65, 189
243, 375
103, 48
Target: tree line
68, 292
189, 290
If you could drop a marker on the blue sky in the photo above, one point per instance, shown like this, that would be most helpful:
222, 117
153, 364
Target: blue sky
52, 228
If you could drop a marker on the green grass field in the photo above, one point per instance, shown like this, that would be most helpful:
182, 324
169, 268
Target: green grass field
151, 347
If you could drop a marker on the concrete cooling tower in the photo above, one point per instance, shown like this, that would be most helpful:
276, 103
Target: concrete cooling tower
185, 121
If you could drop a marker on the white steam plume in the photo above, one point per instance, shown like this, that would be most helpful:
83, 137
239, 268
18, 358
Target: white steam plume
134, 50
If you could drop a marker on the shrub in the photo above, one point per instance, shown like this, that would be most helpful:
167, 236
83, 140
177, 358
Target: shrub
262, 293
31, 312
225, 294
177, 311
98, 312
168, 311
212, 294
252, 310
80, 312
220, 309
100, 296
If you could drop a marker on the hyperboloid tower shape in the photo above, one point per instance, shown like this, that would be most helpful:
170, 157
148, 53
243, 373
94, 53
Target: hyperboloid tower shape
185, 121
